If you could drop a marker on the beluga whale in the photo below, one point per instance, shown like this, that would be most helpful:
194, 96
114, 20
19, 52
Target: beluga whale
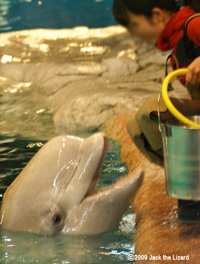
56, 191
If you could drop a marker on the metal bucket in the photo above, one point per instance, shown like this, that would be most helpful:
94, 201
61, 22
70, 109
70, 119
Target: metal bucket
181, 145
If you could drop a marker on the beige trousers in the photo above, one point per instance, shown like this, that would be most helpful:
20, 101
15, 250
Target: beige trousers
143, 128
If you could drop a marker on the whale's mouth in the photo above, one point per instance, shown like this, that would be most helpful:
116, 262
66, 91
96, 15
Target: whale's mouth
92, 188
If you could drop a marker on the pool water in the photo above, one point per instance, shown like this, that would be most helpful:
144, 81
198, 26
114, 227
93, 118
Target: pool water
34, 67
29, 248
23, 247
30, 14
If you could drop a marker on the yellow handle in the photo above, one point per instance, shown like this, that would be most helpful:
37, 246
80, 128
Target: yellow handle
168, 102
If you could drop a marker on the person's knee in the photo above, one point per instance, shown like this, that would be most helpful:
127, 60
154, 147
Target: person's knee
139, 139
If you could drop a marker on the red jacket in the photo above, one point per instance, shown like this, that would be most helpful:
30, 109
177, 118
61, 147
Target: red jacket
174, 31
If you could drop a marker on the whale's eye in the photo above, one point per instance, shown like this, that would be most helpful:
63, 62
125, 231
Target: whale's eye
56, 219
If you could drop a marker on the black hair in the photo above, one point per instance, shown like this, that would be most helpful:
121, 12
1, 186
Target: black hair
145, 7
194, 4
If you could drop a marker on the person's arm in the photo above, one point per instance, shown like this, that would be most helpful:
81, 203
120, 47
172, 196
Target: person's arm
193, 32
193, 75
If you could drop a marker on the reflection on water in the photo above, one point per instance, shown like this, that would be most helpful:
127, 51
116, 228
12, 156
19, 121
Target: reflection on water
21, 247
27, 114
29, 248
62, 46
83, 76
15, 154
36, 66
73, 79
24, 112
4, 23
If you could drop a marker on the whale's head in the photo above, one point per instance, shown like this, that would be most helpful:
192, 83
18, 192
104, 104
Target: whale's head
56, 192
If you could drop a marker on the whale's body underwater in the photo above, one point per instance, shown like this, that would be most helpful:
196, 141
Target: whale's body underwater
56, 192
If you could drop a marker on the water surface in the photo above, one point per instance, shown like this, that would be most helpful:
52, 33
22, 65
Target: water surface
23, 247
36, 68
29, 14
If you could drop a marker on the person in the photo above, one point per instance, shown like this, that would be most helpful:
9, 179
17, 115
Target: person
169, 25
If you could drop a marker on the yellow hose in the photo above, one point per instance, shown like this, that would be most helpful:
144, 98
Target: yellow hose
168, 102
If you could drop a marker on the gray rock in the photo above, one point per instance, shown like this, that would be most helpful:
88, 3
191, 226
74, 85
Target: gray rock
152, 57
83, 76
119, 67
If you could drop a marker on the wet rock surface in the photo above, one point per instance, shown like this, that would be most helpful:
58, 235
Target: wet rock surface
85, 76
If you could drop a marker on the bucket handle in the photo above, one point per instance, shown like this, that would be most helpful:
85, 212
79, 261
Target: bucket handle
159, 119
168, 102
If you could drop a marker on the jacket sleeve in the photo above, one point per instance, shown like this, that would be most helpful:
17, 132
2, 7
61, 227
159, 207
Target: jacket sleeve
193, 30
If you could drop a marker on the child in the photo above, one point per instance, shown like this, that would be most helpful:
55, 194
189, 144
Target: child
162, 23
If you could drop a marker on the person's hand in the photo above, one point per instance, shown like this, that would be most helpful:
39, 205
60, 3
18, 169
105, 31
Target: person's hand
193, 74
